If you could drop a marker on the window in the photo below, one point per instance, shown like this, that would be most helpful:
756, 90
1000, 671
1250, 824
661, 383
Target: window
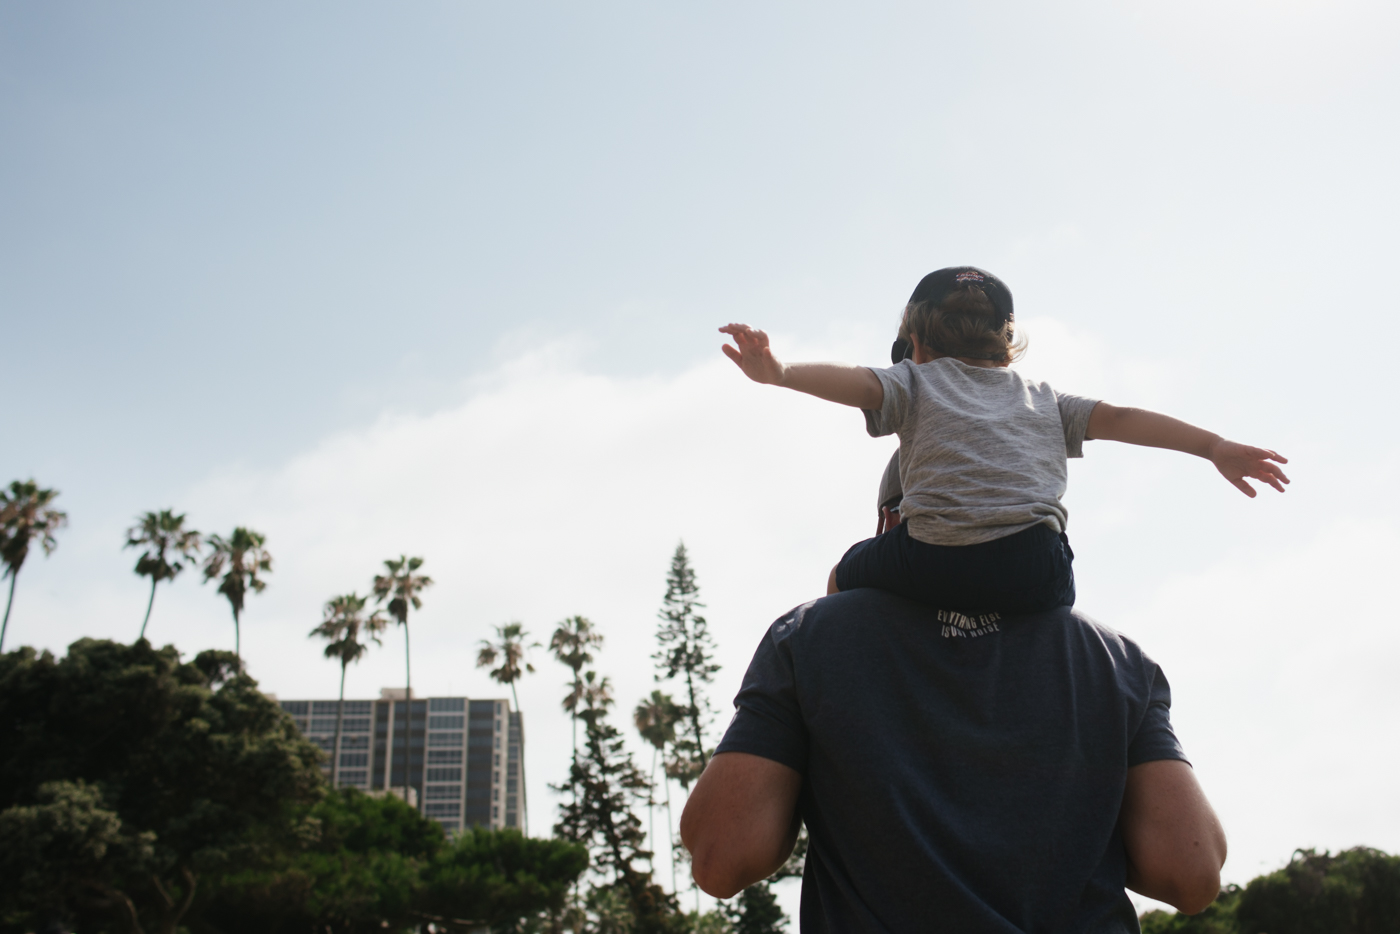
323, 724
297, 708
325, 742
447, 704
356, 777
355, 725
443, 792
444, 775
354, 742
445, 739
451, 826
498, 709
446, 722
354, 759
438, 756
510, 802
323, 708
443, 809
495, 794
510, 818
495, 813
510, 786
496, 778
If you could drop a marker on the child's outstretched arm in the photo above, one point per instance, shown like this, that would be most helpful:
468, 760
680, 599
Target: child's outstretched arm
1234, 461
835, 382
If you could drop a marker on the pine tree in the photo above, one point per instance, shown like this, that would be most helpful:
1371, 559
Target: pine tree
756, 911
606, 784
686, 652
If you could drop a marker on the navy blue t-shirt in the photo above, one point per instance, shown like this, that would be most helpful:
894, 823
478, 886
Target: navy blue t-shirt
959, 774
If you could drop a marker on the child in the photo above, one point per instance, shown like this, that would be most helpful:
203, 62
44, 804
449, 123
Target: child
981, 451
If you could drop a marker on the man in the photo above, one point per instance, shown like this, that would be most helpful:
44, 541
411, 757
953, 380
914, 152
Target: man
959, 774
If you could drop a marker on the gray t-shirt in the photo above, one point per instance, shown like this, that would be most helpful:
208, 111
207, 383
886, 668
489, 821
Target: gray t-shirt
981, 449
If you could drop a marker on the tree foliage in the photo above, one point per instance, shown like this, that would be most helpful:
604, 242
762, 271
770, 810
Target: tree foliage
168, 547
606, 784
756, 911
189, 757
241, 559
686, 652
375, 864
1356, 891
26, 514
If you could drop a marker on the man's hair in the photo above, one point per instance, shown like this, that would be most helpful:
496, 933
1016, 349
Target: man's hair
964, 324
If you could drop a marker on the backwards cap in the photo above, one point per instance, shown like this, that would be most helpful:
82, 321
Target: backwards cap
939, 284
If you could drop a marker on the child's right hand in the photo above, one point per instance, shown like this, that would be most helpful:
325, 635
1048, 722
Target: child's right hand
753, 355
1236, 461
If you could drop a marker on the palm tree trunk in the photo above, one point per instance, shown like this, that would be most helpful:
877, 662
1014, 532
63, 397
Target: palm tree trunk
408, 708
14, 573
670, 835
339, 719
237, 640
149, 603
651, 810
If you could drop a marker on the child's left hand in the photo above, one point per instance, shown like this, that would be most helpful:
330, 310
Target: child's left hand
1236, 461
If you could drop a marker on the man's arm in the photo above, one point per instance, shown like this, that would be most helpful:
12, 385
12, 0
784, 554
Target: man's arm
740, 822
1152, 429
835, 382
1175, 843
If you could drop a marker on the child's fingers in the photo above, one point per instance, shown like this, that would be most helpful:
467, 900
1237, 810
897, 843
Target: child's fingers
732, 354
1270, 474
1243, 487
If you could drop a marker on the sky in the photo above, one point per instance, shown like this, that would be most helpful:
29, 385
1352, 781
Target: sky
444, 280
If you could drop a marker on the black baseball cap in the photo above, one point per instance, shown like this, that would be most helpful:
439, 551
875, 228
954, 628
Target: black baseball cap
940, 283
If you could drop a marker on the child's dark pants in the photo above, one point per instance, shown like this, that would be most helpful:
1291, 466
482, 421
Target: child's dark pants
1027, 572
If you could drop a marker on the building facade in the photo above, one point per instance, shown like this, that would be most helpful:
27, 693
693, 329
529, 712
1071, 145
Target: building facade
465, 758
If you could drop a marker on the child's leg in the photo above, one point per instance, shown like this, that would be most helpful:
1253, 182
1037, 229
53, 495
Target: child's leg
1029, 571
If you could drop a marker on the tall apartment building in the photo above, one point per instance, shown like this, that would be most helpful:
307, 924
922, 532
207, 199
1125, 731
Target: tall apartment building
465, 758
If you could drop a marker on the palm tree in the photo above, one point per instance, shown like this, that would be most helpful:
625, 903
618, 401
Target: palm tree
573, 643
160, 532
656, 719
401, 587
342, 622
244, 556
511, 651
25, 514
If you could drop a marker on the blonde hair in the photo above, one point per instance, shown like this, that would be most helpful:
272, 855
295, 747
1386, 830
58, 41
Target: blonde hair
963, 324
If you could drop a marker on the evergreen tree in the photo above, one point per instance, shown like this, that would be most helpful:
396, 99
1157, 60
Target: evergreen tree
199, 772
606, 784
686, 652
756, 911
